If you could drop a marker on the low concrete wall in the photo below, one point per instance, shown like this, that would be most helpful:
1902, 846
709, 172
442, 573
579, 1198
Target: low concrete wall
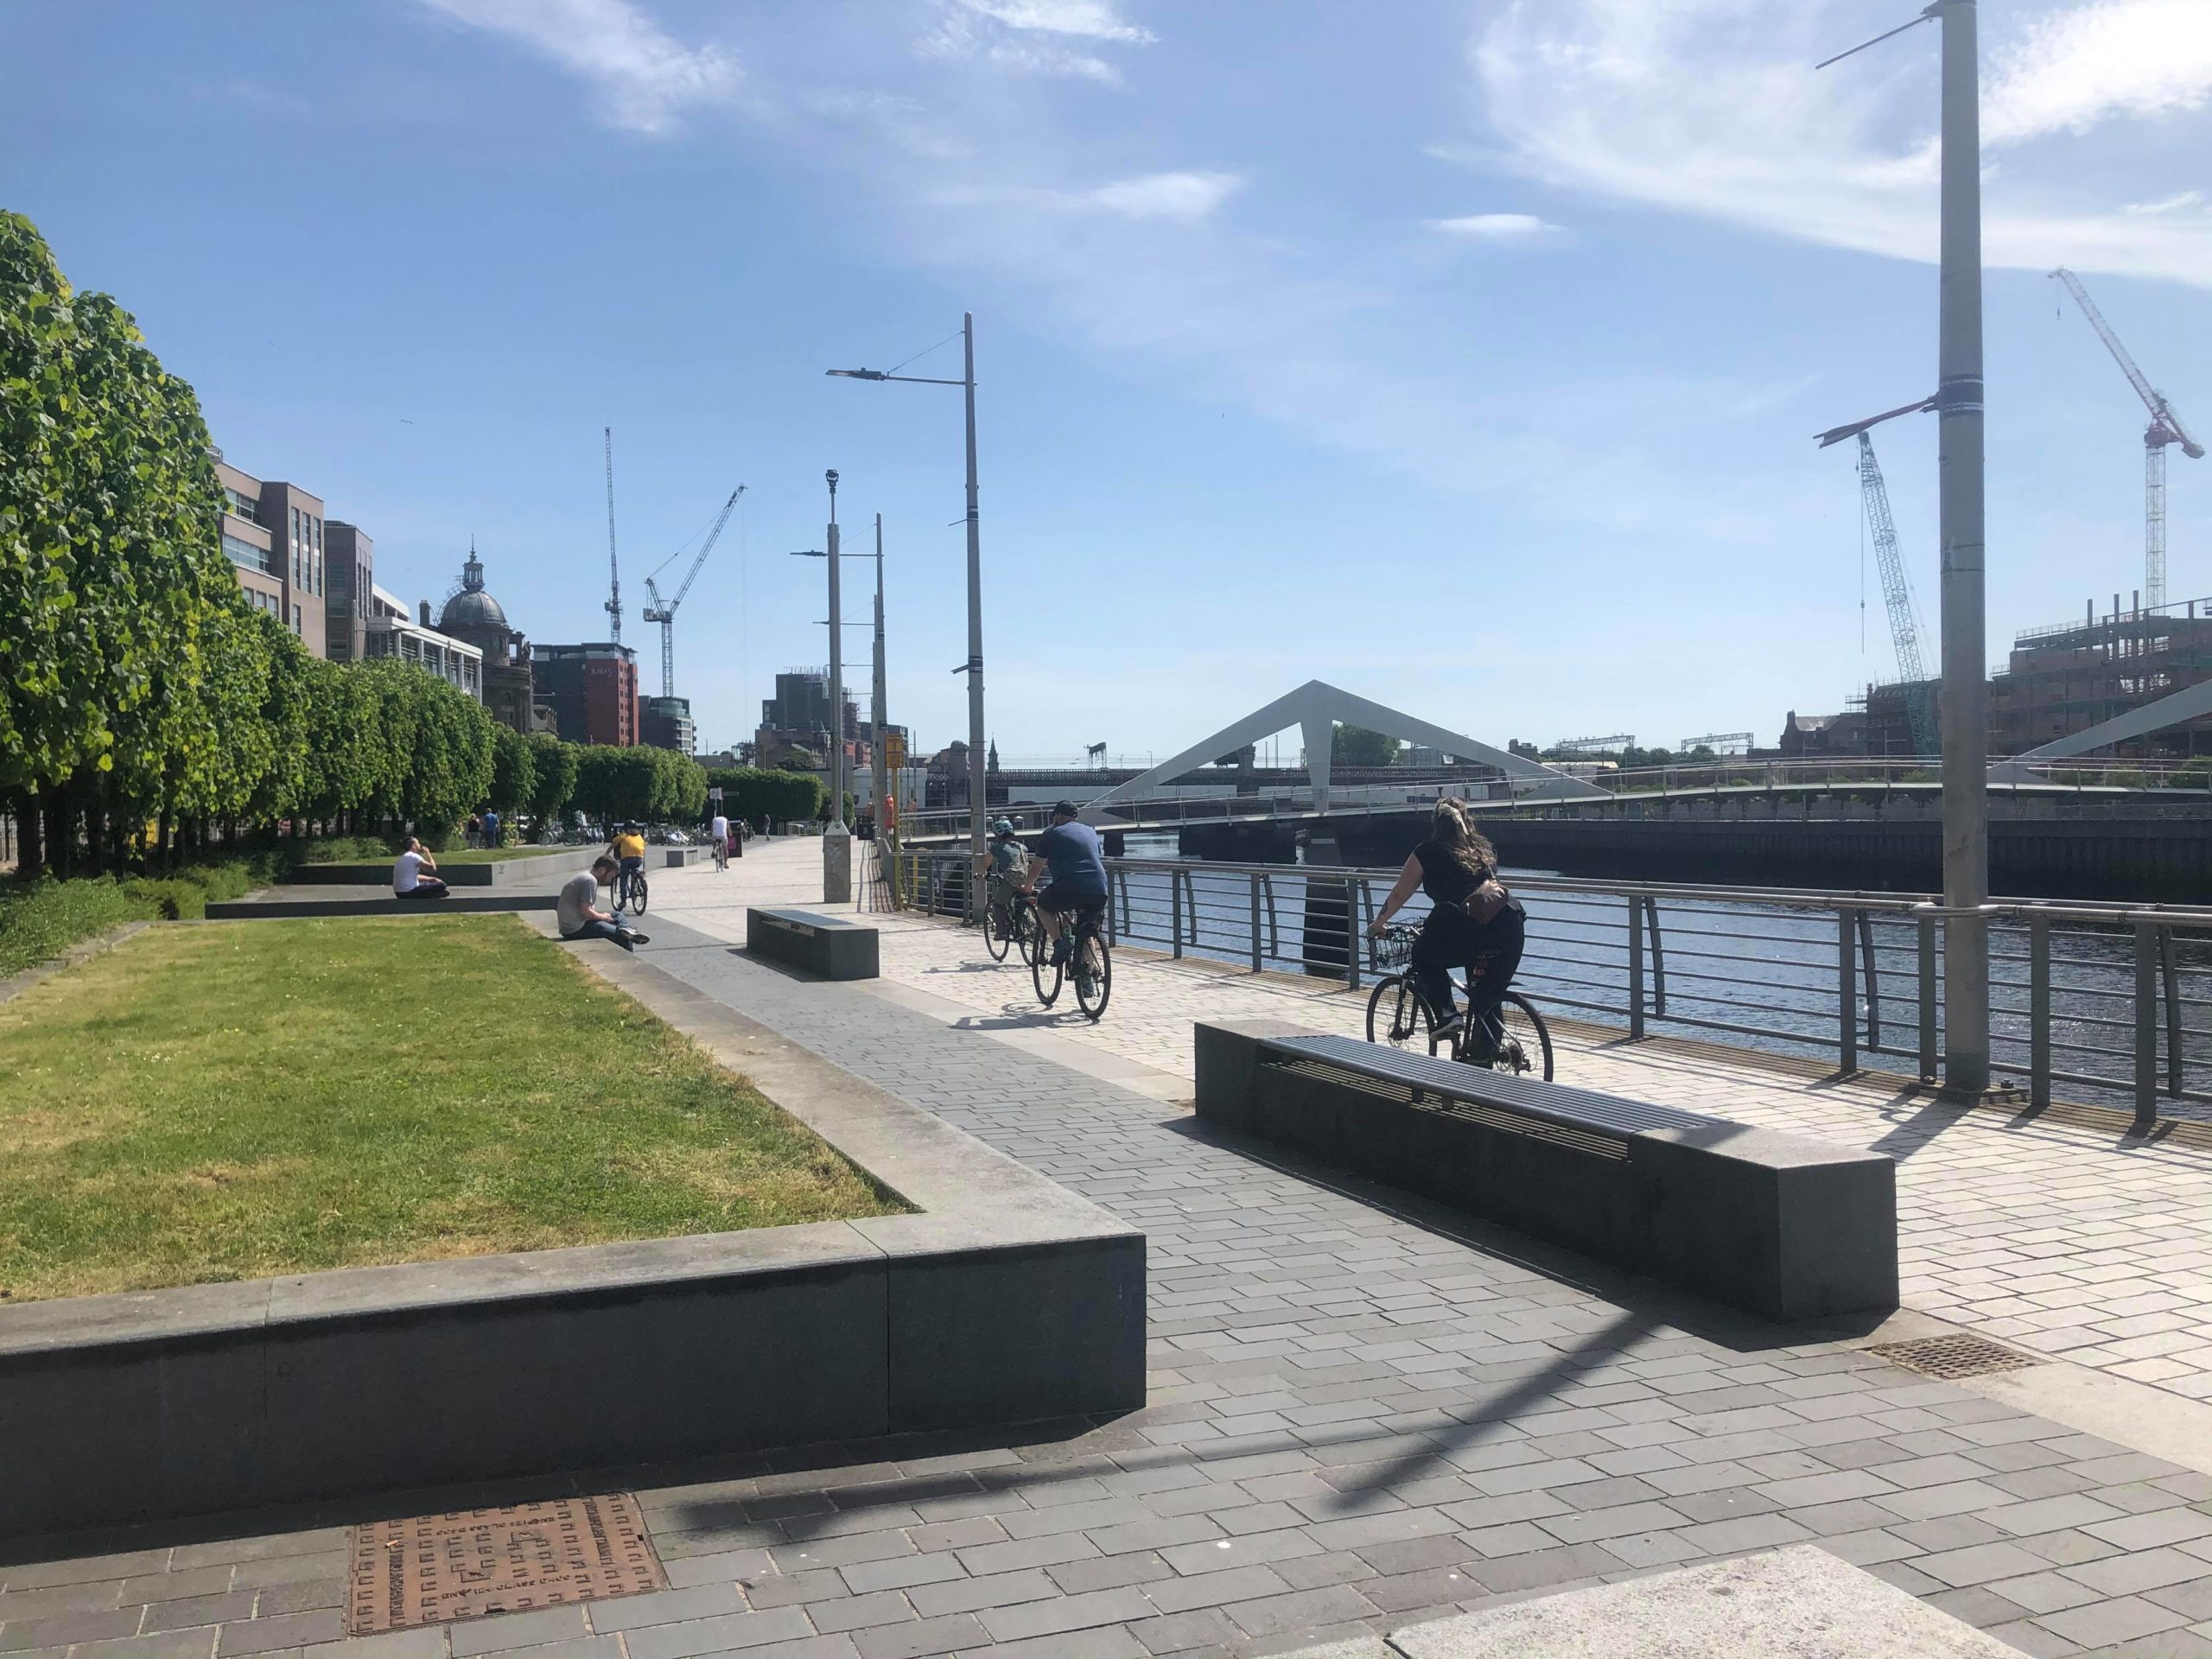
677, 858
501, 873
821, 944
1006, 1299
1787, 1226
263, 910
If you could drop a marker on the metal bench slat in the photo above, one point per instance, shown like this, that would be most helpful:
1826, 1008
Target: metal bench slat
1560, 1103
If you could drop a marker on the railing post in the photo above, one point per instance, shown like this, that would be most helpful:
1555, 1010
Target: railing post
1929, 1067
2147, 1024
1872, 970
2039, 1012
1354, 942
1636, 968
1847, 989
1120, 878
1658, 943
1255, 922
1175, 904
2169, 976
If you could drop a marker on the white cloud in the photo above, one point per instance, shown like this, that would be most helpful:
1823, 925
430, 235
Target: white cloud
644, 78
1712, 107
1031, 36
2182, 201
1504, 230
1093, 20
2071, 70
1184, 198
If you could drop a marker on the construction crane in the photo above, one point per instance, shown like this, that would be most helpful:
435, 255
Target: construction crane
614, 565
2165, 428
1896, 593
665, 614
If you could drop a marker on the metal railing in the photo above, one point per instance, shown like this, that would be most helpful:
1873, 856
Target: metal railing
2111, 1001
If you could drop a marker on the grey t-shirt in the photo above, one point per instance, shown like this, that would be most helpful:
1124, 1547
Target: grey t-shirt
580, 895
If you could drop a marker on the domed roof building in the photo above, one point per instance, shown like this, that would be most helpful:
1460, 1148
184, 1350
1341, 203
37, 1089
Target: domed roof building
472, 611
471, 614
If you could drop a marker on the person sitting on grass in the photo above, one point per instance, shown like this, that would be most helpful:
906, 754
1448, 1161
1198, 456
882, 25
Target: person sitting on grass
408, 881
578, 910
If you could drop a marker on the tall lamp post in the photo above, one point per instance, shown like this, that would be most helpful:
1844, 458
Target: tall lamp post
978, 800
836, 838
877, 814
1963, 700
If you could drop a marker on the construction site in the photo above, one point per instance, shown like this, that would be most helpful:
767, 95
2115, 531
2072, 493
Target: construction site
2135, 674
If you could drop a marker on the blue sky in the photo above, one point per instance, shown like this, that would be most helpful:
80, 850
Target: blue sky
1466, 355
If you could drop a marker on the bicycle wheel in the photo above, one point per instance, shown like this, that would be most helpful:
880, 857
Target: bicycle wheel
1398, 1015
1028, 937
1093, 965
1526, 1048
998, 934
1044, 973
637, 895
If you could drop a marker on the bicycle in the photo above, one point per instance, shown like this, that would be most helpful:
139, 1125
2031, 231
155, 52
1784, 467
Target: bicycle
1090, 962
1399, 1016
630, 893
1011, 923
721, 852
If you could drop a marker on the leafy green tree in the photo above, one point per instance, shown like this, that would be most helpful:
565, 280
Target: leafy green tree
554, 776
514, 770
758, 796
1355, 746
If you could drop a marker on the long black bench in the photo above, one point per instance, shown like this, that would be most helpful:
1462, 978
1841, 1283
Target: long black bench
827, 945
263, 910
1787, 1226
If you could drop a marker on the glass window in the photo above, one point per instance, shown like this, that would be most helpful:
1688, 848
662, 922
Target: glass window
245, 554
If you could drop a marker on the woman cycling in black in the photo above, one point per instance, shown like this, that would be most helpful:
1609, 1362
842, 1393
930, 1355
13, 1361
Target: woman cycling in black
1456, 859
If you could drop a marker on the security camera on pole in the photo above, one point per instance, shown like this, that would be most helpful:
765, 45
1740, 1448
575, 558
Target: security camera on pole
836, 838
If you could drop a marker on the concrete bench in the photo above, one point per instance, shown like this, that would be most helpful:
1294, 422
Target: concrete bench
821, 944
1784, 1225
498, 873
241, 909
677, 858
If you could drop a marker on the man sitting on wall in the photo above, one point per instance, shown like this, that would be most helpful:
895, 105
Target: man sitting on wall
408, 881
578, 912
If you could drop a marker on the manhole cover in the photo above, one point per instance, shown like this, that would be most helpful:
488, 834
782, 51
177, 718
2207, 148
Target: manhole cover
1953, 1357
437, 1567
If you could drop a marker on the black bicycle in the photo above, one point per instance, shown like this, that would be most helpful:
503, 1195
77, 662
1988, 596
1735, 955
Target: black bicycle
1090, 962
1399, 1015
1010, 924
630, 893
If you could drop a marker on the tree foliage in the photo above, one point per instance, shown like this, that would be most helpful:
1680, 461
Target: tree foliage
1355, 746
514, 770
756, 796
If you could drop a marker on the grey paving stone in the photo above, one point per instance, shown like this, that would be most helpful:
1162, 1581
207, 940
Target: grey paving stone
1062, 1613
732, 1631
901, 1572
182, 1585
171, 1645
1108, 1642
1977, 1564
1215, 1589
427, 1641
589, 1647
198, 1610
2149, 1569
285, 1631
665, 1607
300, 1596
62, 1629
922, 1638
2107, 1624
102, 1595
794, 1589
1300, 1610
1110, 1571
86, 1569
1207, 1630
264, 1571
724, 1566
861, 1613
967, 1595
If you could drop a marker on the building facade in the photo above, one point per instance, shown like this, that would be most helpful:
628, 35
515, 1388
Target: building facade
665, 722
349, 570
261, 533
471, 614
389, 633
591, 690
2068, 677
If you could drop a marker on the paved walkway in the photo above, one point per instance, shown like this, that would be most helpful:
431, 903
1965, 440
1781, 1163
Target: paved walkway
2067, 1240
1361, 1411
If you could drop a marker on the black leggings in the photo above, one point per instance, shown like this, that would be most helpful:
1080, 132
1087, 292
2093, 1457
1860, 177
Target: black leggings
1450, 940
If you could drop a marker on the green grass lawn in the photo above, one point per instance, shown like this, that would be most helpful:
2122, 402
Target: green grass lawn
235, 1101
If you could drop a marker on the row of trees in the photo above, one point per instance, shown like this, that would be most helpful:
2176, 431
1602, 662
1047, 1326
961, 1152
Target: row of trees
145, 707
775, 797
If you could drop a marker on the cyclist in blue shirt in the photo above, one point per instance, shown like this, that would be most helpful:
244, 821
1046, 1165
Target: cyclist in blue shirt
1070, 851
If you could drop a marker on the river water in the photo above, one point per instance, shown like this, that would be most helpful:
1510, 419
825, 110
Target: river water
1762, 975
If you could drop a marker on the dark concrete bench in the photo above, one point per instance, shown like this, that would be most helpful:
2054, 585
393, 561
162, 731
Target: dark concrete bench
822, 945
263, 910
498, 873
1787, 1226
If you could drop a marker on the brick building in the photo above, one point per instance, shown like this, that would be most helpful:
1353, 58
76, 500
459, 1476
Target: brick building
592, 689
275, 536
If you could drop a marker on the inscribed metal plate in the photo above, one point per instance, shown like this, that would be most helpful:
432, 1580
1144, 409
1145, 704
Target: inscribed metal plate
471, 1562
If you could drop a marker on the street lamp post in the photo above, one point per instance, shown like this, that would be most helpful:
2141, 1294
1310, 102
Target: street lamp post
1963, 697
876, 812
977, 799
836, 838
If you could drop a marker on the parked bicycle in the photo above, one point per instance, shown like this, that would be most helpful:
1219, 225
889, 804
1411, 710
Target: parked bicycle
1090, 962
1399, 1015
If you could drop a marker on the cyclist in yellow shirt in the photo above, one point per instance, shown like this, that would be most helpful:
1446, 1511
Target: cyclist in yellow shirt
629, 850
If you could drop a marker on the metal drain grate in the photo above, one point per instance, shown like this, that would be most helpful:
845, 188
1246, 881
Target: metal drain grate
1953, 1357
437, 1567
